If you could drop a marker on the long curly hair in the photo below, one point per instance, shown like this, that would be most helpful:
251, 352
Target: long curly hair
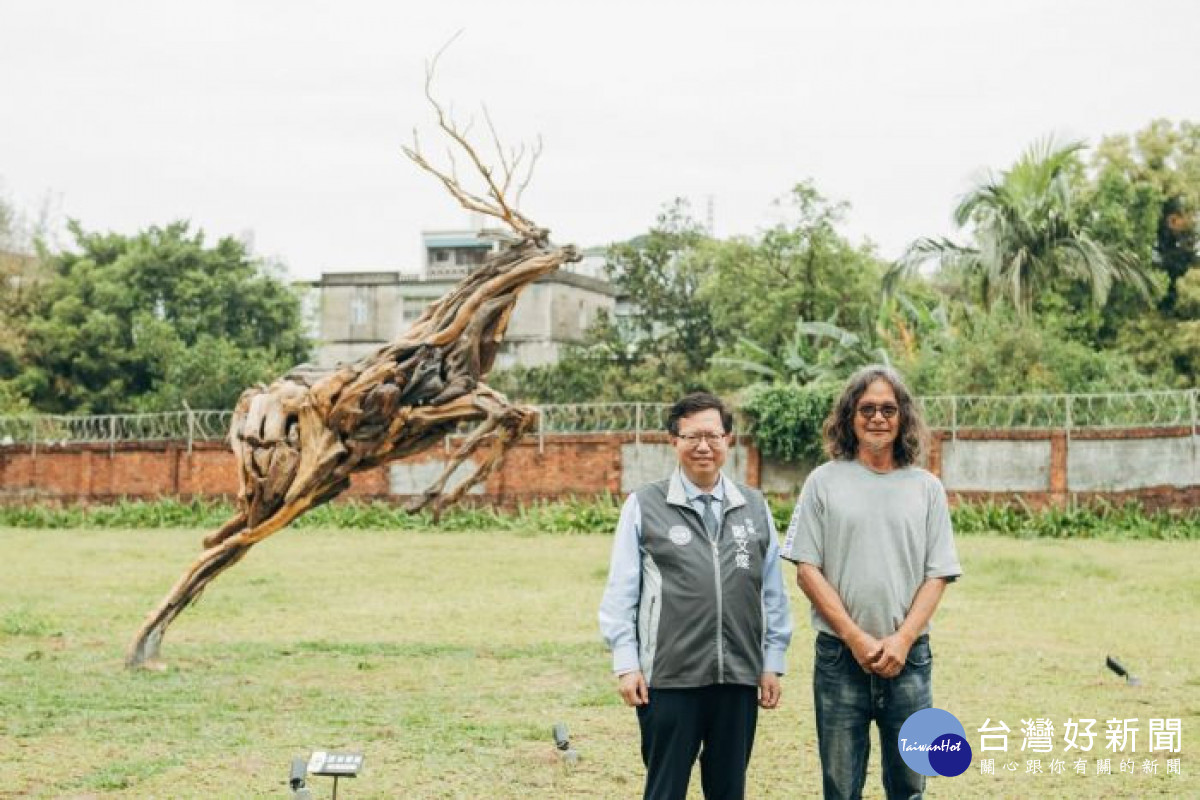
838, 430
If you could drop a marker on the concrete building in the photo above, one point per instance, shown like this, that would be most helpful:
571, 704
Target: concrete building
359, 312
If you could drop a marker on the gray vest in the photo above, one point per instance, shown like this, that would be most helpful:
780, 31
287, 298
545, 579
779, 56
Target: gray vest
700, 618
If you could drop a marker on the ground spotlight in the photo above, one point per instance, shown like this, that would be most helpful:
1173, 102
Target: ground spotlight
325, 764
296, 781
562, 741
1116, 666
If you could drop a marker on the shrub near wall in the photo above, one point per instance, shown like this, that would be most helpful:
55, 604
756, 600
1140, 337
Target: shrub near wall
786, 419
596, 516
593, 515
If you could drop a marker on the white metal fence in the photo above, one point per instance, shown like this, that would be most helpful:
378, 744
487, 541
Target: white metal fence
1163, 409
951, 413
43, 430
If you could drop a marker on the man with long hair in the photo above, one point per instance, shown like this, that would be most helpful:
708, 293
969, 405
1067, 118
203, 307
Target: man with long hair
695, 611
874, 549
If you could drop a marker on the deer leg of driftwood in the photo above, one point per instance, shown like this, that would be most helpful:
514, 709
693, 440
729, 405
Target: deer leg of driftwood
233, 526
490, 463
509, 421
211, 563
464, 451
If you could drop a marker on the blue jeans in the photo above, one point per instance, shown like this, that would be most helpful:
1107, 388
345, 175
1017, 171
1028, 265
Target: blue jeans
847, 698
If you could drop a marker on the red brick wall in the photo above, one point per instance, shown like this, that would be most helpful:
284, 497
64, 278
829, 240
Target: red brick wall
1154, 497
555, 467
558, 466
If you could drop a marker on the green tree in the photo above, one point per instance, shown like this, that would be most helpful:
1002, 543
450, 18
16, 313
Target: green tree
1030, 235
1148, 198
801, 268
1168, 346
148, 321
787, 418
22, 268
577, 377
1000, 352
691, 296
606, 369
662, 274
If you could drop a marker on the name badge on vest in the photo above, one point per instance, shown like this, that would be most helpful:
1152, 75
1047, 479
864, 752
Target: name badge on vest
679, 535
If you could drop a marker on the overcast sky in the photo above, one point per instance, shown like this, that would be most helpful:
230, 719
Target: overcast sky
286, 118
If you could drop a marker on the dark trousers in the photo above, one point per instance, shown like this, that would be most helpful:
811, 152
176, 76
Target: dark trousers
847, 698
676, 723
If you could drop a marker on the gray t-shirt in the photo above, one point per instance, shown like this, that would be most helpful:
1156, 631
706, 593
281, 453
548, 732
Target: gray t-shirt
875, 536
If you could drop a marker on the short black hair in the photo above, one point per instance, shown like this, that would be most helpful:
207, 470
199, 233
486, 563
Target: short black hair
694, 403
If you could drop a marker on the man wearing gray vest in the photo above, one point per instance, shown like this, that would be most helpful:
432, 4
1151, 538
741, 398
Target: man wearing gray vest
872, 540
695, 611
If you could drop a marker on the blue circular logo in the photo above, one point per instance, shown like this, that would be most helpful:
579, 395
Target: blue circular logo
933, 742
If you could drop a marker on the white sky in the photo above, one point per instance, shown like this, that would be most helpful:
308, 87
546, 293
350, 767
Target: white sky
286, 118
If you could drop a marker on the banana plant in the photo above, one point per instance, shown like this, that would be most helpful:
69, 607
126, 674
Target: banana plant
817, 351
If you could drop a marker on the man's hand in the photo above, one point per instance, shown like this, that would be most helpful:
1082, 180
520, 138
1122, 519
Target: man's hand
893, 652
769, 690
864, 647
632, 688
866, 650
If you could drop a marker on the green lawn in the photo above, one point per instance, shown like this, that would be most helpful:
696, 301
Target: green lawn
447, 658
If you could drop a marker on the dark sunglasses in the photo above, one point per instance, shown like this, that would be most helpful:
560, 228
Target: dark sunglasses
868, 410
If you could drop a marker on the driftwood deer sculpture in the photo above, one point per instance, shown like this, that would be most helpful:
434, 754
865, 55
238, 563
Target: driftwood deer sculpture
298, 440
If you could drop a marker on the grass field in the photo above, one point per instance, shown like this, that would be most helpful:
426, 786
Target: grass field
447, 658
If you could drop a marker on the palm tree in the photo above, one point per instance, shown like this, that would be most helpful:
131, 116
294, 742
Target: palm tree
1027, 234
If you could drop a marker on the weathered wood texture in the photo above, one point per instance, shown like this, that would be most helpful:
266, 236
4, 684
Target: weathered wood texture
298, 440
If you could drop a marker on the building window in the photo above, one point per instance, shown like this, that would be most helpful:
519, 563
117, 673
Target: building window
360, 306
458, 256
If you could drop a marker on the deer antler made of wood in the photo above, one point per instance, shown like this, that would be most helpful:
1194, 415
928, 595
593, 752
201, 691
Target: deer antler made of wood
298, 440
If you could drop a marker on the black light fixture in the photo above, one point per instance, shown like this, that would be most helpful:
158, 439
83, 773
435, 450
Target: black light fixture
296, 781
1117, 667
562, 741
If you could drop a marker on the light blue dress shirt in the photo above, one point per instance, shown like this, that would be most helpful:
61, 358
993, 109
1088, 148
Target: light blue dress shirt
618, 610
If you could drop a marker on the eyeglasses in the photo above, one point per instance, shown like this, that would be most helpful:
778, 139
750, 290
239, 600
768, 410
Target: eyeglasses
868, 410
694, 439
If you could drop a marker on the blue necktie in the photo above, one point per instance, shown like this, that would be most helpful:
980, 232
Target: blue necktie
708, 517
